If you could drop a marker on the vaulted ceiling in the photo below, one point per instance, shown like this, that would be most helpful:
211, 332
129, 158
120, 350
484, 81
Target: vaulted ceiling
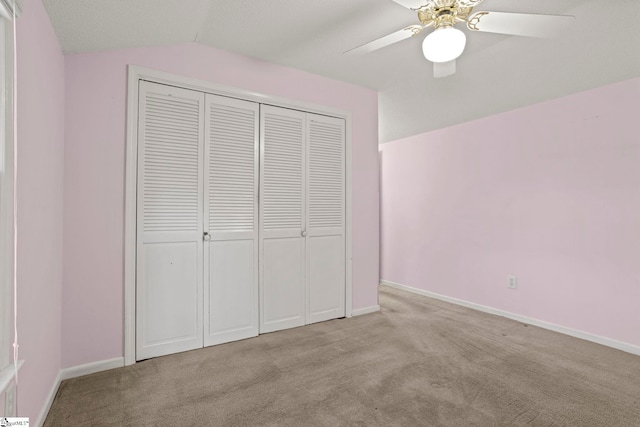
495, 73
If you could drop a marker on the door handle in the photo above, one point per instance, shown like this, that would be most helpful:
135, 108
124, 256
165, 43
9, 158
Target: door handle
206, 236
303, 233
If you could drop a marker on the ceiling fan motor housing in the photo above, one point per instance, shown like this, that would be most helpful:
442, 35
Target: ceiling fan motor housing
443, 16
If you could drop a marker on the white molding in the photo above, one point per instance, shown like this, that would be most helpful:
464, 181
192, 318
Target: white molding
6, 194
137, 73
619, 345
161, 77
50, 397
91, 368
130, 218
348, 303
365, 310
7, 8
73, 372
7, 375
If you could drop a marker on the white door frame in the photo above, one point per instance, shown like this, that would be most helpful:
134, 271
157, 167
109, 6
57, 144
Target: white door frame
135, 75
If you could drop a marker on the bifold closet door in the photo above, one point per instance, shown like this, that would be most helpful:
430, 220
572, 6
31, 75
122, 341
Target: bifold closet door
302, 218
282, 242
231, 220
325, 241
218, 260
169, 282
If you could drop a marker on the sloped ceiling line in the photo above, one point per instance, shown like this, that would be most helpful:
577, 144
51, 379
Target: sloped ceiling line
495, 73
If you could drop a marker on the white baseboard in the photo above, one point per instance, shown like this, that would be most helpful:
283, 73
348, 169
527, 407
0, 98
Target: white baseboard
91, 368
47, 404
73, 372
365, 310
619, 345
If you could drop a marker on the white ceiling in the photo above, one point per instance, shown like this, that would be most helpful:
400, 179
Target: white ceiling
495, 73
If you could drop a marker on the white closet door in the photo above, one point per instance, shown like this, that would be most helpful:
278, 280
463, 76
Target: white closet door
282, 215
325, 218
231, 220
169, 231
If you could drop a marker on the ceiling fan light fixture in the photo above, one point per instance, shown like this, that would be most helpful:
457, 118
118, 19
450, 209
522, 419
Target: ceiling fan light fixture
444, 44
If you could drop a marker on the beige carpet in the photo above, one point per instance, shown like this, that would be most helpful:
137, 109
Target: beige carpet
417, 362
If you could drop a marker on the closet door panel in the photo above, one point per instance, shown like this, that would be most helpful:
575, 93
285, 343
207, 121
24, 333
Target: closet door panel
171, 269
283, 293
232, 315
231, 219
169, 231
282, 219
326, 277
325, 218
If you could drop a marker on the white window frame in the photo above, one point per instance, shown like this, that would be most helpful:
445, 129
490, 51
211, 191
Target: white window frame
6, 190
6, 199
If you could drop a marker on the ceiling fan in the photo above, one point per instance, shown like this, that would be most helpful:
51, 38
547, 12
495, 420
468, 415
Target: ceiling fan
446, 43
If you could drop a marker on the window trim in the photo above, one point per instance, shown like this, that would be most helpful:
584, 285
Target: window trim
7, 255
6, 8
6, 196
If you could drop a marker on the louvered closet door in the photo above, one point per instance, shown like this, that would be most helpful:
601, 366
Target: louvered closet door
169, 281
282, 215
231, 220
325, 218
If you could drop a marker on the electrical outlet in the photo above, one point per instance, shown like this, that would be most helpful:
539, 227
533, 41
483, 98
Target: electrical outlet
512, 282
10, 401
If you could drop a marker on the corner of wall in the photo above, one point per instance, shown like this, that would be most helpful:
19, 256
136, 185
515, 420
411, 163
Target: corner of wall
40, 100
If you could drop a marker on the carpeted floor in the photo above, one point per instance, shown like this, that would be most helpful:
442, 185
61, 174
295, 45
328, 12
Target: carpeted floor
417, 362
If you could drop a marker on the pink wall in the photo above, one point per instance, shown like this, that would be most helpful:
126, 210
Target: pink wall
40, 210
92, 316
550, 193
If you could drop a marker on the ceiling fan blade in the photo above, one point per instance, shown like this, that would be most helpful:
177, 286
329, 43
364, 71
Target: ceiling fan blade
444, 69
412, 4
518, 24
392, 38
469, 3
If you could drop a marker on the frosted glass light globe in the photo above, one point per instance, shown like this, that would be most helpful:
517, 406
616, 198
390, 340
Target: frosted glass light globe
444, 44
